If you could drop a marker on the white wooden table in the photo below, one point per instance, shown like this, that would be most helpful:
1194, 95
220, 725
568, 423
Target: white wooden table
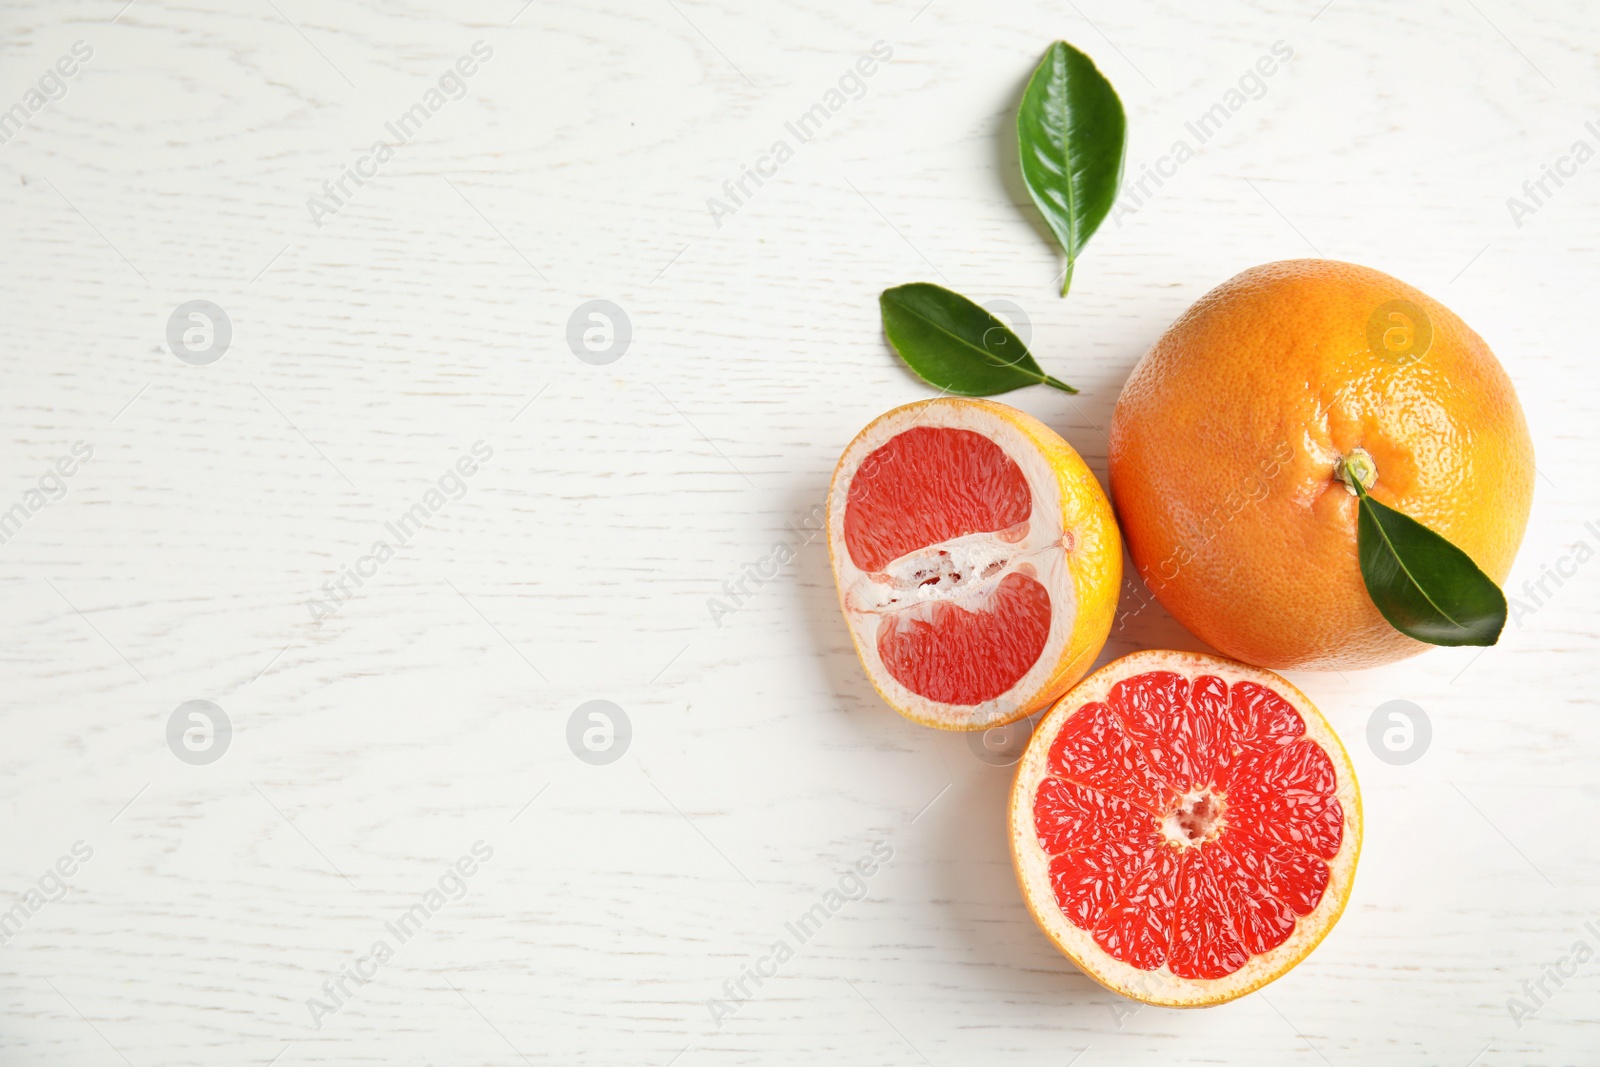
377, 338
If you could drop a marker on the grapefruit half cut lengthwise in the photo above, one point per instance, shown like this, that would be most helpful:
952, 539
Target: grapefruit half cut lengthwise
1185, 828
977, 561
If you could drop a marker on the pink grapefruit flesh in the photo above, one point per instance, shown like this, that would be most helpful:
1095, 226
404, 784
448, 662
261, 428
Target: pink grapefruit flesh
1186, 821
976, 559
925, 487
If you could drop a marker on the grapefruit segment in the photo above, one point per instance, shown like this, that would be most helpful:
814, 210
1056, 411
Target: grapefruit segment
1293, 876
1204, 941
1070, 816
929, 485
1260, 716
1135, 929
1260, 918
1288, 794
1088, 881
954, 655
1093, 748
976, 558
1185, 828
1155, 710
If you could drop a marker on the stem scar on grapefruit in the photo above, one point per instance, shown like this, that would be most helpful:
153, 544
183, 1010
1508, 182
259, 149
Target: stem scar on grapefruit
1185, 828
977, 561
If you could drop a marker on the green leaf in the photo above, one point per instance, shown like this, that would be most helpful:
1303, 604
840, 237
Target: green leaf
1425, 586
1072, 136
957, 346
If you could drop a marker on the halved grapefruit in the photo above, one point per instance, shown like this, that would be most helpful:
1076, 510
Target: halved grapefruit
977, 561
1185, 828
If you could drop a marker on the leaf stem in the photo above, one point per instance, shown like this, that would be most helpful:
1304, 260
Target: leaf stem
1066, 279
1057, 383
1357, 471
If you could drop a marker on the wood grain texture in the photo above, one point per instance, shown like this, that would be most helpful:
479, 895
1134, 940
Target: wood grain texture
372, 751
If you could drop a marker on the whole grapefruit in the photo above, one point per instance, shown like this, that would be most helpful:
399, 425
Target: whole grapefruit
1228, 439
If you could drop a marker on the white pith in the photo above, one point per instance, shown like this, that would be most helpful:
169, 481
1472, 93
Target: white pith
1161, 986
1180, 831
961, 571
982, 560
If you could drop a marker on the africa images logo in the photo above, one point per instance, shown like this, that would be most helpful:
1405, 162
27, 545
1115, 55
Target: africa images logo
851, 85
340, 988
337, 192
852, 885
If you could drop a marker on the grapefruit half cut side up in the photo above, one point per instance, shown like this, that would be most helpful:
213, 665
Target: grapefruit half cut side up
1185, 828
977, 561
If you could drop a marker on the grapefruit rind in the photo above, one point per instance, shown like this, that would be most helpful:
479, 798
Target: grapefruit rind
1161, 987
1072, 541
